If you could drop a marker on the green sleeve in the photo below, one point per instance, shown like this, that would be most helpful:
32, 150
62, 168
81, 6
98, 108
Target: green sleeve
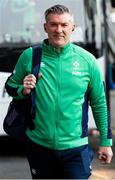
22, 68
99, 105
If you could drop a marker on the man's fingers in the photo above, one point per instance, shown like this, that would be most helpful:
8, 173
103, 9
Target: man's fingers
30, 78
105, 158
105, 154
29, 82
39, 75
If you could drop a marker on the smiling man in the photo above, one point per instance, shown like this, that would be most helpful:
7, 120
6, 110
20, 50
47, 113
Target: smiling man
59, 28
69, 78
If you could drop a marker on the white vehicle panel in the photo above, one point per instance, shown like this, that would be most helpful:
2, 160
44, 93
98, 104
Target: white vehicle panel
4, 100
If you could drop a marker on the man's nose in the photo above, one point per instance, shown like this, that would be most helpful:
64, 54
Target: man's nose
59, 29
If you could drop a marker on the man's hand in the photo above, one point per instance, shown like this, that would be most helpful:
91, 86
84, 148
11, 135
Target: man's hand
29, 83
105, 154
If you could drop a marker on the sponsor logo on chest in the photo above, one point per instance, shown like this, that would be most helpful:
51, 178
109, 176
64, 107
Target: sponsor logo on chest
76, 68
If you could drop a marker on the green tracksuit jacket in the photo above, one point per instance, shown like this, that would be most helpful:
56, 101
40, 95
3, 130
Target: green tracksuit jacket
70, 80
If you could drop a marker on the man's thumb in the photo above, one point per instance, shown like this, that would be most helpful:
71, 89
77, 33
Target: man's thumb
39, 75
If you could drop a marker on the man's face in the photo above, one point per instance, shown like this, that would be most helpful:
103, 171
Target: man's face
59, 28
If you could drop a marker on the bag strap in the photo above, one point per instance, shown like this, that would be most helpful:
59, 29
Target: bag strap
36, 60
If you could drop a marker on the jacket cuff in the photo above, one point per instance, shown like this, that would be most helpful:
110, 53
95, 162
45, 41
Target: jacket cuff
106, 142
20, 92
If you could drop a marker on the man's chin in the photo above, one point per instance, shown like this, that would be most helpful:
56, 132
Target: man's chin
59, 44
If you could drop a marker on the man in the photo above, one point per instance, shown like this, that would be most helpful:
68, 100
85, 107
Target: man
69, 77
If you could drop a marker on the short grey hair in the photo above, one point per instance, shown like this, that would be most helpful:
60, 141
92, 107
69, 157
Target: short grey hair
58, 9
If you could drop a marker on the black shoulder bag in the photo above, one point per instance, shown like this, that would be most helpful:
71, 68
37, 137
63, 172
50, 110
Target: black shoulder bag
21, 112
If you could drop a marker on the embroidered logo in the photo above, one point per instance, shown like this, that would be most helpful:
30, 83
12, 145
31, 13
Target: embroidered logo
42, 64
76, 64
76, 67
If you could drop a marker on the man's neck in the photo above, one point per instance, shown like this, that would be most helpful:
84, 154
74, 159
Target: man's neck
58, 49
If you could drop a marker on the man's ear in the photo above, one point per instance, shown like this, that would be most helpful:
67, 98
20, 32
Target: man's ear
45, 27
73, 28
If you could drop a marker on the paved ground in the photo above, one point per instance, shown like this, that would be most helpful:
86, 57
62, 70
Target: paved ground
13, 163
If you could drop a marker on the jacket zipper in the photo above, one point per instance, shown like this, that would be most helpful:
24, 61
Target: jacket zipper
58, 76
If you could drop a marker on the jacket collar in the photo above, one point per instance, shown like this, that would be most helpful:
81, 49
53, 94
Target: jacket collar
51, 49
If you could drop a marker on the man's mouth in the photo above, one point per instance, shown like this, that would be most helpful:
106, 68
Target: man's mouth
58, 36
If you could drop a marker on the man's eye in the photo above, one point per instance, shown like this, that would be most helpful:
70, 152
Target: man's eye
53, 24
64, 25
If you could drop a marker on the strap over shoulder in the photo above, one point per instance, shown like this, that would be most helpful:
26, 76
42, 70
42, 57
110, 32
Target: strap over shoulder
36, 60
